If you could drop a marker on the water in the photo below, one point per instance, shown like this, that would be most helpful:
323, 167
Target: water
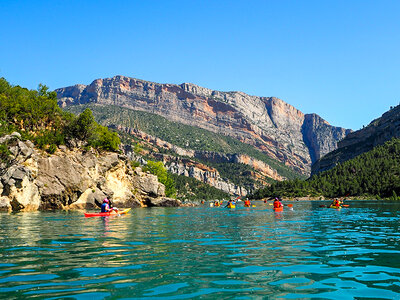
203, 252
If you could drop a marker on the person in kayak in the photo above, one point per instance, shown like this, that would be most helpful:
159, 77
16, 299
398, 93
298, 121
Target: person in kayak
230, 203
105, 207
247, 202
277, 203
336, 203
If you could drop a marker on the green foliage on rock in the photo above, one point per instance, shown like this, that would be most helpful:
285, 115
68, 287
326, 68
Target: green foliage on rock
157, 168
193, 189
36, 116
372, 174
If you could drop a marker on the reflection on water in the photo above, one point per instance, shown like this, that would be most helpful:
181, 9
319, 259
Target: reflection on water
204, 252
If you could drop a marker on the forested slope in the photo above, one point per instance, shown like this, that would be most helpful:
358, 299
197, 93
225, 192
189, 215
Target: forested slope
375, 173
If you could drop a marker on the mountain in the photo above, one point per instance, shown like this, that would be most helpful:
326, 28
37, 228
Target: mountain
267, 123
376, 133
214, 159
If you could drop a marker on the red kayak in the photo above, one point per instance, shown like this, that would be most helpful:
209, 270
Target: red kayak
278, 209
105, 214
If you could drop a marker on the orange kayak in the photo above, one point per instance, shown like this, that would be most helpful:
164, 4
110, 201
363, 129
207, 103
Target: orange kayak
105, 214
278, 209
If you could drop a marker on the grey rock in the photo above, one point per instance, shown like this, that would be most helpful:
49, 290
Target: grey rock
10, 182
162, 202
20, 173
25, 150
14, 150
5, 204
149, 184
16, 134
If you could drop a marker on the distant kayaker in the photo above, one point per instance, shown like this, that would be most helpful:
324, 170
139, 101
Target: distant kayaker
230, 203
105, 207
277, 203
336, 203
247, 202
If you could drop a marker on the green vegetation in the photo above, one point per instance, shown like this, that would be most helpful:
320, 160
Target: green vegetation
185, 136
193, 189
157, 168
4, 153
372, 174
37, 117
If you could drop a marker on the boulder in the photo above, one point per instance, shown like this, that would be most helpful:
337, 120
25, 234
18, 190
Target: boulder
162, 202
149, 184
5, 204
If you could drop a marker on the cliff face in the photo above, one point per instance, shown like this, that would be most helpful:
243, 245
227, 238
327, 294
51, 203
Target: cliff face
206, 174
31, 179
268, 123
376, 133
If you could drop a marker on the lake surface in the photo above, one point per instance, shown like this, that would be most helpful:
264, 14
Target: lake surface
204, 252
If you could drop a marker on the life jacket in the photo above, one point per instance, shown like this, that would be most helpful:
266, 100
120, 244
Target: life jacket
104, 207
277, 204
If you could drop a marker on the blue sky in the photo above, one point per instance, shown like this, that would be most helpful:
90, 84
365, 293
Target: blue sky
339, 59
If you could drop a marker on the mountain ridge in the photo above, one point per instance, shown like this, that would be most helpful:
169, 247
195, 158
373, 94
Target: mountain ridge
268, 123
376, 133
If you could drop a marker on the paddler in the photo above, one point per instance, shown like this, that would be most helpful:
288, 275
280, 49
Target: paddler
230, 202
247, 202
105, 207
336, 203
277, 203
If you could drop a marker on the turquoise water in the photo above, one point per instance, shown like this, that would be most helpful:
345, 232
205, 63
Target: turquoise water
203, 252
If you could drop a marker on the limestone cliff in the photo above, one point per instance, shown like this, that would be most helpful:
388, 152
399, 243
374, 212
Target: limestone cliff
268, 123
31, 179
206, 174
376, 133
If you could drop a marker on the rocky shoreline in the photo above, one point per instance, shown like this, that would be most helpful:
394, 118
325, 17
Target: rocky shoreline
72, 178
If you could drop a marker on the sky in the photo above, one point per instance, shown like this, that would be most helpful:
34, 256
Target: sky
338, 59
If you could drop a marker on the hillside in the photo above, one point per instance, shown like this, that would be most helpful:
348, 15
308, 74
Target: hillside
267, 123
372, 174
376, 133
218, 160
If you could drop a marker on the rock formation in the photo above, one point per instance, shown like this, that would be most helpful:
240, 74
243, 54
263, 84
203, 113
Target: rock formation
199, 171
268, 123
376, 133
31, 179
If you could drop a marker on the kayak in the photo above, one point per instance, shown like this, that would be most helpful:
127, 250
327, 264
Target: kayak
278, 209
105, 214
231, 205
335, 207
